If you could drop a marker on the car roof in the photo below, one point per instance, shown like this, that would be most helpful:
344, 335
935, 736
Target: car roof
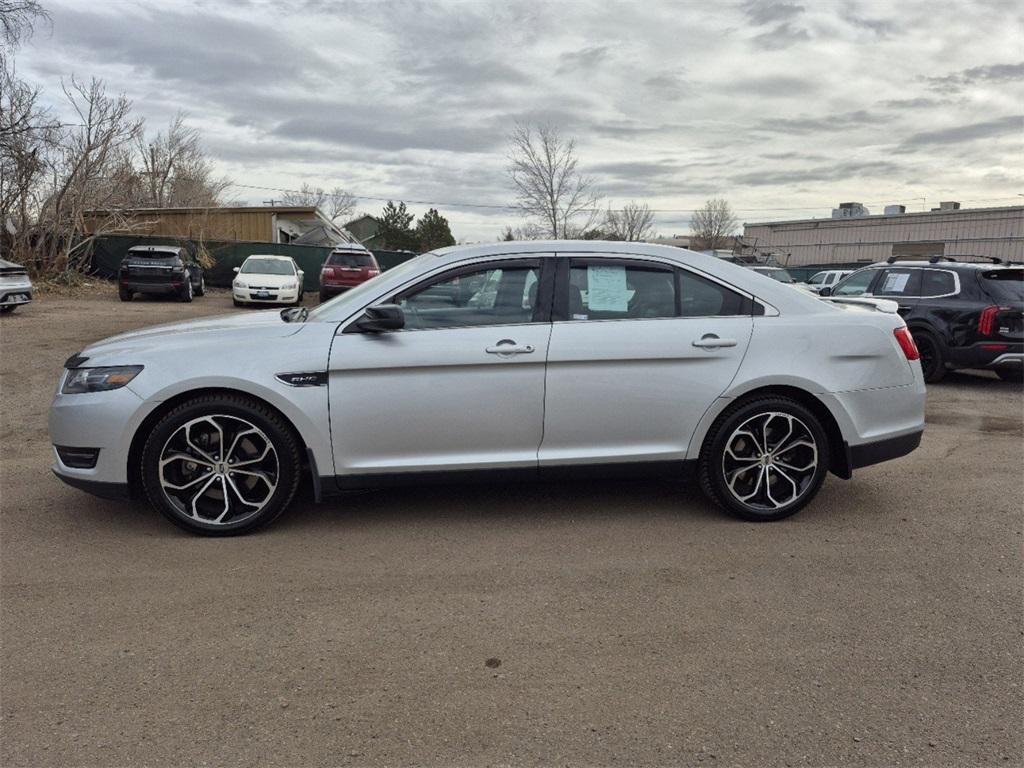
946, 264
157, 248
268, 256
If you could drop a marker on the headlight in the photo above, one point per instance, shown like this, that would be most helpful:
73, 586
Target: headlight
98, 379
289, 286
239, 284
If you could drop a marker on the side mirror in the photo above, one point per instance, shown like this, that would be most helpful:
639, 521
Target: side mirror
826, 291
380, 318
235, 269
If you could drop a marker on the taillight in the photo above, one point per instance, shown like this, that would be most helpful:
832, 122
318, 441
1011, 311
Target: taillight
327, 272
987, 320
372, 272
906, 342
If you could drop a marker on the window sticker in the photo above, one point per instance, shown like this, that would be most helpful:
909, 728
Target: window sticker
895, 282
606, 289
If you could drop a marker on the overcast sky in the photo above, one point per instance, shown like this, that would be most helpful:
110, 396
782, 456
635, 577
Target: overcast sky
783, 108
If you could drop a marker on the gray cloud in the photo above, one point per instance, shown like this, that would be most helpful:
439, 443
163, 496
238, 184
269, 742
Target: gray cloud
826, 123
783, 36
769, 11
988, 73
971, 132
586, 59
841, 172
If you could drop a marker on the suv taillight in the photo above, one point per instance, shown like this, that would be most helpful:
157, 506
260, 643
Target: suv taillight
372, 272
987, 320
906, 342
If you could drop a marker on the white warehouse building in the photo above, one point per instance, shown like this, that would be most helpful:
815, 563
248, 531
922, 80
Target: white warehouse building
851, 236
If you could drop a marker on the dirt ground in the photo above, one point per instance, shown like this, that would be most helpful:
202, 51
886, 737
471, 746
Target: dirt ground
576, 623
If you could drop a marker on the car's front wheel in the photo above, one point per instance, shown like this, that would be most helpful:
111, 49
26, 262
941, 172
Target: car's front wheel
201, 290
764, 459
220, 465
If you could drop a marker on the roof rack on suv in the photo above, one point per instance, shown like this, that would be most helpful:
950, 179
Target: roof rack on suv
992, 259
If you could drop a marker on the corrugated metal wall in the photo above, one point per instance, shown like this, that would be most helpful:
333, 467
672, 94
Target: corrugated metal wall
983, 232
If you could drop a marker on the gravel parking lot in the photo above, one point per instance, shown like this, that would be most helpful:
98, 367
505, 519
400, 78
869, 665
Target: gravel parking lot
573, 623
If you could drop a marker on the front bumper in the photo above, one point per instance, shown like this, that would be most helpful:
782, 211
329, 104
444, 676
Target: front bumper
273, 296
96, 420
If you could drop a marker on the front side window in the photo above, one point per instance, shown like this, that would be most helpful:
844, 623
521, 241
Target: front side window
498, 295
899, 282
819, 279
856, 284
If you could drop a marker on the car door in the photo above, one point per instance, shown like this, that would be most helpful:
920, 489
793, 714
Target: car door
639, 351
460, 387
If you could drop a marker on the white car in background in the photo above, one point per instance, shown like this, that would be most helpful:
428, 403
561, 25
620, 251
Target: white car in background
267, 279
536, 359
15, 286
827, 278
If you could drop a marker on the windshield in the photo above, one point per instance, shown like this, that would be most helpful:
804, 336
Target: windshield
267, 267
1005, 284
330, 309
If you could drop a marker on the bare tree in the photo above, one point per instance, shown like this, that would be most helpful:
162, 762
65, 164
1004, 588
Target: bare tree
336, 204
549, 187
81, 171
635, 221
175, 171
713, 225
18, 19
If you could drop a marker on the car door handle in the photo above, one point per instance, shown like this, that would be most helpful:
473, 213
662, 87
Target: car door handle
710, 341
509, 347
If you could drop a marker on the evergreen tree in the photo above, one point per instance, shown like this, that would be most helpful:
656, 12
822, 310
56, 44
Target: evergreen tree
432, 231
396, 228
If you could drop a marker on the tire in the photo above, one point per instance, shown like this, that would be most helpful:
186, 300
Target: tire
237, 303
734, 442
187, 292
201, 290
124, 294
323, 297
229, 501
933, 360
1013, 375
8, 309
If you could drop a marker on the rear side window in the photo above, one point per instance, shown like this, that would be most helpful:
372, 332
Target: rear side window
1004, 284
936, 282
899, 282
703, 298
617, 291
351, 260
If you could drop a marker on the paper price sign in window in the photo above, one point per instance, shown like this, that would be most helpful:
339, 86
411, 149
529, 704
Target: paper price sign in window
606, 289
895, 282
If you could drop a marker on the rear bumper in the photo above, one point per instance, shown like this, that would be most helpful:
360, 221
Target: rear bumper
13, 296
866, 454
152, 287
994, 354
333, 289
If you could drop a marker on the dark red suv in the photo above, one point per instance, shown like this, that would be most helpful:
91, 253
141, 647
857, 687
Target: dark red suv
346, 268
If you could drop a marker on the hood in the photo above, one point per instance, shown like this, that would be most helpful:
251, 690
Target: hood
227, 331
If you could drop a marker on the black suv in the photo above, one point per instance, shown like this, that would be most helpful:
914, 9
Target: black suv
962, 314
165, 269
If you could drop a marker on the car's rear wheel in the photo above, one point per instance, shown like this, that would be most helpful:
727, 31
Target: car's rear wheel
764, 459
186, 291
124, 294
933, 361
201, 290
1014, 375
220, 465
